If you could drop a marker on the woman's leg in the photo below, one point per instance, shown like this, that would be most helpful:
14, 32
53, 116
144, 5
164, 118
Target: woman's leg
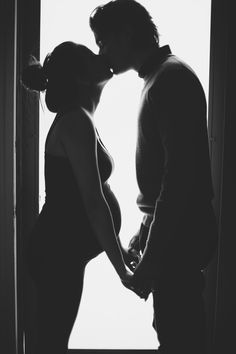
59, 294
56, 260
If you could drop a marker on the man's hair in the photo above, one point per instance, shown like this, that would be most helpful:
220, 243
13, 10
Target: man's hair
112, 17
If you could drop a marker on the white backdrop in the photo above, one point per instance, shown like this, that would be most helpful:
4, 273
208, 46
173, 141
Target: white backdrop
110, 316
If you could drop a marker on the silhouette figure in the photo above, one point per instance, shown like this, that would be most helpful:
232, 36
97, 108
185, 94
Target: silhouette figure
81, 215
177, 236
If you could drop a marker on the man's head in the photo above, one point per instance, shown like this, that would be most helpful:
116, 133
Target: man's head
123, 28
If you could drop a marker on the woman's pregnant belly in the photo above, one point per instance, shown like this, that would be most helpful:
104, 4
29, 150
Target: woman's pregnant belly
65, 230
114, 206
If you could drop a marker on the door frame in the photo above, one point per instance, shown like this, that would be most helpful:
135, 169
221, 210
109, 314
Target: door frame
19, 129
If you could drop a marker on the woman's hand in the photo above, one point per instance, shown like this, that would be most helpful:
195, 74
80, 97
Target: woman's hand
134, 246
128, 280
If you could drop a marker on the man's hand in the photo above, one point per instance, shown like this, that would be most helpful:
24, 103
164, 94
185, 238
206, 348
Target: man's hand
127, 281
131, 258
132, 255
144, 273
135, 286
134, 247
142, 280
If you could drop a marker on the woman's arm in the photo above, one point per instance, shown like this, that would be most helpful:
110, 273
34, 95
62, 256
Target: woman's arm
78, 137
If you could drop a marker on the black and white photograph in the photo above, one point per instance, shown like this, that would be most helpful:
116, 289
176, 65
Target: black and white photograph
117, 184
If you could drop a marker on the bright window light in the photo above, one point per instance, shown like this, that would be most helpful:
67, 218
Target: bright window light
110, 316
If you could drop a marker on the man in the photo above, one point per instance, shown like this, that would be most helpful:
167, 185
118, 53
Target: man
177, 236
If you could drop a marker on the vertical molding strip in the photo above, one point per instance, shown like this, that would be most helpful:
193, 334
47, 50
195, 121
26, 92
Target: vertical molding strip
217, 115
221, 290
8, 298
27, 161
14, 169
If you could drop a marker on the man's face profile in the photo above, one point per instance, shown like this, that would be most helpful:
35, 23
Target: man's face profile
114, 47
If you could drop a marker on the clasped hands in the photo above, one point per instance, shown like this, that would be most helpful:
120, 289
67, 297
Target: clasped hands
135, 280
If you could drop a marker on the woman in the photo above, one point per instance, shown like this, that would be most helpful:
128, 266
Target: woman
81, 216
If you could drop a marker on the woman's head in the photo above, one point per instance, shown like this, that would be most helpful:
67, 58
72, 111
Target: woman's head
68, 75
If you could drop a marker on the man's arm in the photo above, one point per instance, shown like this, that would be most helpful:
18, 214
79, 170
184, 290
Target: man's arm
176, 107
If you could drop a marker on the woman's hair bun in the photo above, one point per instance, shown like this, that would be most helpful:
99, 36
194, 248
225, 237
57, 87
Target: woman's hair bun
33, 76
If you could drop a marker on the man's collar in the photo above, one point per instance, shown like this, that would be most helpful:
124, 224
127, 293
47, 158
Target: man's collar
158, 55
